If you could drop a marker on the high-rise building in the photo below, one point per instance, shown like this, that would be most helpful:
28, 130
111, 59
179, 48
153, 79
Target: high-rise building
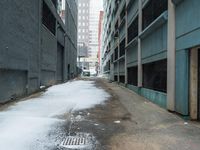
83, 31
95, 8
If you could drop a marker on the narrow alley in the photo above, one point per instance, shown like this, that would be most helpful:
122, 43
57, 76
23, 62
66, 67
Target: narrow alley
105, 115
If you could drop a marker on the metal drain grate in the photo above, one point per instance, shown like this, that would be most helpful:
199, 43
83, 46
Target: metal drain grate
75, 142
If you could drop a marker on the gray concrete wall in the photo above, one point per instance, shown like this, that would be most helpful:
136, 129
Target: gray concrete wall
12, 84
48, 57
19, 47
28, 50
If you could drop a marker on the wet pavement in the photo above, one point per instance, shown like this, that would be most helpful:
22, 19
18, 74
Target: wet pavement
129, 122
126, 121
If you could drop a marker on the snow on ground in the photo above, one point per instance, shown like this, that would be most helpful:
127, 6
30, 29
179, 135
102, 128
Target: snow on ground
25, 125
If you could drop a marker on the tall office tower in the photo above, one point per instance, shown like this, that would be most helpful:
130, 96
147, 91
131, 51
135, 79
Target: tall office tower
95, 8
83, 32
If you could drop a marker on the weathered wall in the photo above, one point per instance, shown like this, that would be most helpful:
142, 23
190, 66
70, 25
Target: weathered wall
187, 28
13, 84
29, 55
19, 46
48, 57
132, 53
154, 46
187, 37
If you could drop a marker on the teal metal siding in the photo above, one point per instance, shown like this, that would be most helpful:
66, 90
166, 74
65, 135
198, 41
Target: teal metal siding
132, 53
187, 27
182, 82
156, 97
154, 46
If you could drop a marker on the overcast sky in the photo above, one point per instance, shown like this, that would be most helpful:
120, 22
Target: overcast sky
97, 4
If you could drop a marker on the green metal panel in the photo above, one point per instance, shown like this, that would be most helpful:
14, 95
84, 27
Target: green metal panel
154, 45
156, 97
133, 88
182, 82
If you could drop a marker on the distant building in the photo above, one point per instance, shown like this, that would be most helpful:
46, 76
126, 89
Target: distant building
36, 47
83, 31
95, 9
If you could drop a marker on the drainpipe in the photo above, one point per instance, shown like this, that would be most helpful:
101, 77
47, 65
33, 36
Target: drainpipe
171, 46
140, 73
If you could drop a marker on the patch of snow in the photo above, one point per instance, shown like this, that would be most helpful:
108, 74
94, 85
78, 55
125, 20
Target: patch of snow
25, 125
117, 122
41, 87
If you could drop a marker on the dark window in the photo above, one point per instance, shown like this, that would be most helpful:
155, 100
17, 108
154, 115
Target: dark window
123, 13
122, 79
152, 10
48, 18
155, 75
133, 30
107, 66
122, 48
133, 75
116, 26
115, 78
116, 53
111, 59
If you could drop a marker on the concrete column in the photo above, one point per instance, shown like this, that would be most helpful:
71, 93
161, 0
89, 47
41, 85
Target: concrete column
140, 76
171, 63
193, 84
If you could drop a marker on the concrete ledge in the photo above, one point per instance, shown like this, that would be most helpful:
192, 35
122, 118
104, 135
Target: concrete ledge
132, 43
156, 97
133, 88
162, 19
176, 2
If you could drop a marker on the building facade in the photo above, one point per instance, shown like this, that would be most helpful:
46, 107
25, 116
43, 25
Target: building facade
95, 8
83, 31
152, 47
36, 48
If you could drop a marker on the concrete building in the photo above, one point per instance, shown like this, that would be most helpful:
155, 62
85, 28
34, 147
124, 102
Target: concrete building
152, 47
36, 48
83, 32
95, 8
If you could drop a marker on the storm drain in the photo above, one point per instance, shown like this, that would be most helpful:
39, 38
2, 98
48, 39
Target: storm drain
76, 142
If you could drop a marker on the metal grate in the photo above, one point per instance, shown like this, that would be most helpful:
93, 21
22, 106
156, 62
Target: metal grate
75, 142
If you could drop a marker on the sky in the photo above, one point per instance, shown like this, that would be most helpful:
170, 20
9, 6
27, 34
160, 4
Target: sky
97, 4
